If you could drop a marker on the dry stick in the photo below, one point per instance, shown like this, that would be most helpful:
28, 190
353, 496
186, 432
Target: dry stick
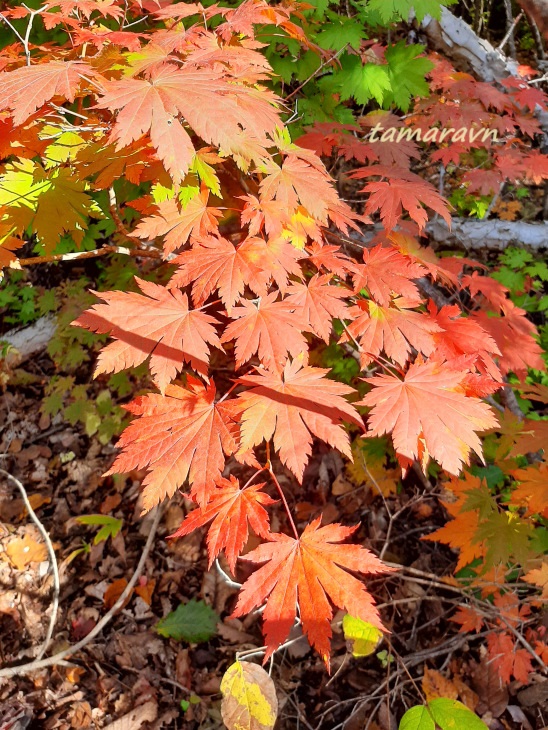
511, 27
53, 561
55, 659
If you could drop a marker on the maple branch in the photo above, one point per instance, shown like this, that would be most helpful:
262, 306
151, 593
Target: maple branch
56, 658
53, 561
317, 71
26, 39
284, 500
137, 253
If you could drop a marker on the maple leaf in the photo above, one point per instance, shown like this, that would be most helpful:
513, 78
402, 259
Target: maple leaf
460, 533
386, 272
532, 490
291, 407
152, 106
318, 303
507, 659
330, 258
182, 435
428, 414
495, 293
469, 619
268, 328
217, 264
309, 570
26, 89
195, 219
402, 191
515, 338
275, 257
232, 508
539, 577
394, 329
159, 325
463, 336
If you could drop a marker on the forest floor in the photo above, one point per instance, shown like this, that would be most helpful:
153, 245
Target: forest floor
130, 677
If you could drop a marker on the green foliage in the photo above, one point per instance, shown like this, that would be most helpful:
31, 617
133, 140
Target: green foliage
110, 526
391, 11
443, 713
100, 417
193, 622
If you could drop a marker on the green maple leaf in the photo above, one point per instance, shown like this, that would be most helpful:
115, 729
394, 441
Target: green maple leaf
193, 622
387, 9
407, 74
340, 32
363, 82
506, 537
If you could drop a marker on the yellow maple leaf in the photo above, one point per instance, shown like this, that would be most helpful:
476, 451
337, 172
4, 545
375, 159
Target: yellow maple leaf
25, 550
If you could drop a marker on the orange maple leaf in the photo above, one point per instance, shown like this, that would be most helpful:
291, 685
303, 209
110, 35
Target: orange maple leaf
181, 435
26, 89
428, 414
309, 571
532, 490
153, 106
318, 303
159, 325
396, 330
217, 264
269, 328
194, 220
232, 509
291, 406
384, 273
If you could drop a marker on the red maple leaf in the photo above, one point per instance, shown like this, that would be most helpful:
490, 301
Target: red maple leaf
318, 303
182, 435
402, 191
269, 328
492, 290
232, 508
384, 273
159, 325
309, 571
395, 329
515, 338
463, 336
428, 414
291, 407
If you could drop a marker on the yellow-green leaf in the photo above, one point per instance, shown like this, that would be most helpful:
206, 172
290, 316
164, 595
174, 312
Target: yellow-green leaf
363, 637
249, 698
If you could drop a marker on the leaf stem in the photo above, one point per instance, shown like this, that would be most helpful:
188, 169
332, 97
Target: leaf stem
284, 500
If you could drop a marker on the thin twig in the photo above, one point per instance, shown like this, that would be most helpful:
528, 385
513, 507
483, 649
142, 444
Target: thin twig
55, 659
316, 72
53, 561
526, 645
76, 256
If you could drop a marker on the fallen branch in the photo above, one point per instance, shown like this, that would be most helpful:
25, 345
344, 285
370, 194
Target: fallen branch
53, 561
492, 235
26, 342
457, 40
57, 658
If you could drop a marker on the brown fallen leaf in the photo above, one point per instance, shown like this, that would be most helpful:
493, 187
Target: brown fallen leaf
147, 712
436, 685
25, 550
114, 591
